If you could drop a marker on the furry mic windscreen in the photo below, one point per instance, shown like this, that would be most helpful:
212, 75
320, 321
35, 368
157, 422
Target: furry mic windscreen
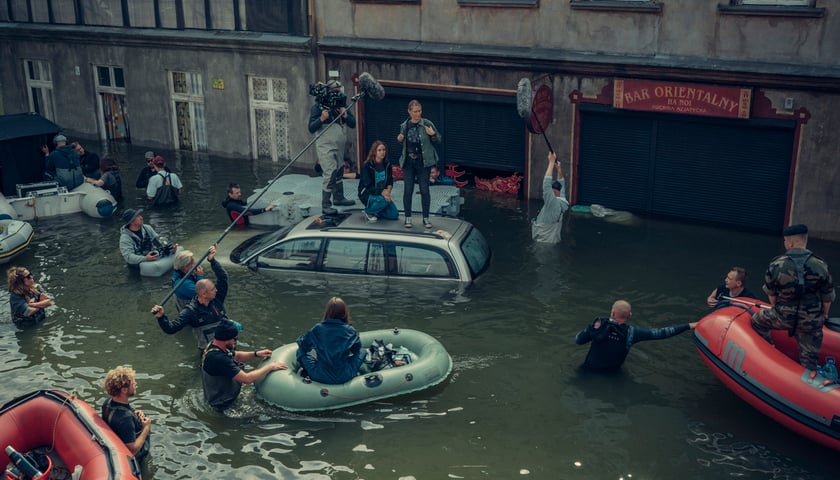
524, 98
369, 85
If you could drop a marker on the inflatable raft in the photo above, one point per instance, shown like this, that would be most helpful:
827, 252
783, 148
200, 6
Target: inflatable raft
160, 266
47, 199
769, 378
15, 236
70, 429
430, 364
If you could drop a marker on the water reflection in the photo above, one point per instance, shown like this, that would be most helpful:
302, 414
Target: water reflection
516, 404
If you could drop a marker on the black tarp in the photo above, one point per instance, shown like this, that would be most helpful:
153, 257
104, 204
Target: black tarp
21, 137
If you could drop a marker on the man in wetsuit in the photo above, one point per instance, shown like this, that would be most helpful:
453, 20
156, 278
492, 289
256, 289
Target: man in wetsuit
612, 337
800, 289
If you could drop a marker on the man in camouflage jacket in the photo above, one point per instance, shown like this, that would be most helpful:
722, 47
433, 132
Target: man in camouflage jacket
800, 289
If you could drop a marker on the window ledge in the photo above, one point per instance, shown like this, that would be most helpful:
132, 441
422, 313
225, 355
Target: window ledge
498, 3
617, 6
771, 11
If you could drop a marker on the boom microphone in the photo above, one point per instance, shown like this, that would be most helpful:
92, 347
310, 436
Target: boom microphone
371, 87
524, 99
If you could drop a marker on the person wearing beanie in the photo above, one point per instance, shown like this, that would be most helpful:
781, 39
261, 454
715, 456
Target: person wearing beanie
546, 228
221, 367
800, 289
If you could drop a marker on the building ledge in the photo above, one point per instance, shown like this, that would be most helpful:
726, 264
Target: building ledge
771, 11
617, 6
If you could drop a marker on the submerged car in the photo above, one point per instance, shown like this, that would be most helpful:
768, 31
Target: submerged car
348, 244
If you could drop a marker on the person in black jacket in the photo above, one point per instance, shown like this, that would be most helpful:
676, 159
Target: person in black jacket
376, 183
235, 206
204, 312
612, 337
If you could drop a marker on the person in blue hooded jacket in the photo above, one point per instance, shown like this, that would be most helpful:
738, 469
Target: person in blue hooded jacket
338, 349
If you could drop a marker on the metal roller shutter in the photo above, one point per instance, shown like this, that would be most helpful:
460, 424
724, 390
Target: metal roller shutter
479, 130
709, 170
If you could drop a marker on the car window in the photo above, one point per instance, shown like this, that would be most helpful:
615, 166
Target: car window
476, 251
299, 254
422, 262
346, 256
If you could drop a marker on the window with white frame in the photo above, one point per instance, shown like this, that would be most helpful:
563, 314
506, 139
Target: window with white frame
187, 95
269, 99
40, 88
111, 103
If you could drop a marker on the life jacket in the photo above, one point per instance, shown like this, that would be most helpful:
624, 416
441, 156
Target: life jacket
219, 391
241, 220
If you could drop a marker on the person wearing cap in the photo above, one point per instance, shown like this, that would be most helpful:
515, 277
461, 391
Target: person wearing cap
205, 311
164, 186
800, 290
138, 242
63, 165
331, 143
185, 290
221, 367
147, 171
732, 286
613, 337
546, 228
236, 207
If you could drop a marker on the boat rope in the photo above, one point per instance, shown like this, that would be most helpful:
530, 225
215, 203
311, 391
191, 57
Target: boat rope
250, 204
67, 398
406, 378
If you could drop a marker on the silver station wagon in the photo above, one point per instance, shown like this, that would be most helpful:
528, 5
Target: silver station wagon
347, 244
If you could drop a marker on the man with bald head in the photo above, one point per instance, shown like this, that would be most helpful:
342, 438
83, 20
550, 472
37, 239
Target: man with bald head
612, 337
204, 312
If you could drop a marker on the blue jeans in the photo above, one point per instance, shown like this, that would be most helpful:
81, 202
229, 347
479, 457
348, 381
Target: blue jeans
377, 205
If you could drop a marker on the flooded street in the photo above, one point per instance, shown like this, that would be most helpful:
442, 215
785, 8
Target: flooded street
516, 405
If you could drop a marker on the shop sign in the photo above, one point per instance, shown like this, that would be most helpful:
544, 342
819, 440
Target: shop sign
685, 98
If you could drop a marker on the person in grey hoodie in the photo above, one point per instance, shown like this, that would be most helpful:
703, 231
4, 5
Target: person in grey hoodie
547, 226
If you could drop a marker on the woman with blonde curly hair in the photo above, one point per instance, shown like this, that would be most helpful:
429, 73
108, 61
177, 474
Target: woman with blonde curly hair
25, 299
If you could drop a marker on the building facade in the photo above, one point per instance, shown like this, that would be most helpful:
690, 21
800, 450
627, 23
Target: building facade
718, 111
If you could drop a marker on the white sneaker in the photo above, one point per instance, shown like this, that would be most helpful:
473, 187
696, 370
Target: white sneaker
427, 224
407, 223
370, 218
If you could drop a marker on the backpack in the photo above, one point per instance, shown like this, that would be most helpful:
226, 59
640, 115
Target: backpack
166, 193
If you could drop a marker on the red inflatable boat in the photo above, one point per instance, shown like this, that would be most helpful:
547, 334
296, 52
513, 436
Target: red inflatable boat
70, 429
771, 379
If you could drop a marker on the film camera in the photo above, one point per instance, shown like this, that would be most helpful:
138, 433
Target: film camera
327, 96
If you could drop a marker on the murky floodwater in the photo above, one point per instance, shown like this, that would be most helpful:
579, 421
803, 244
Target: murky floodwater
515, 407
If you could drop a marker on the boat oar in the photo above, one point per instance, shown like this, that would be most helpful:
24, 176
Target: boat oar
175, 287
745, 302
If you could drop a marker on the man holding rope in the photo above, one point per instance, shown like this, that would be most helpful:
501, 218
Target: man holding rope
800, 290
204, 312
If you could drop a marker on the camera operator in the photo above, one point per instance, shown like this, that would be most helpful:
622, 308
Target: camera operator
330, 103
139, 242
